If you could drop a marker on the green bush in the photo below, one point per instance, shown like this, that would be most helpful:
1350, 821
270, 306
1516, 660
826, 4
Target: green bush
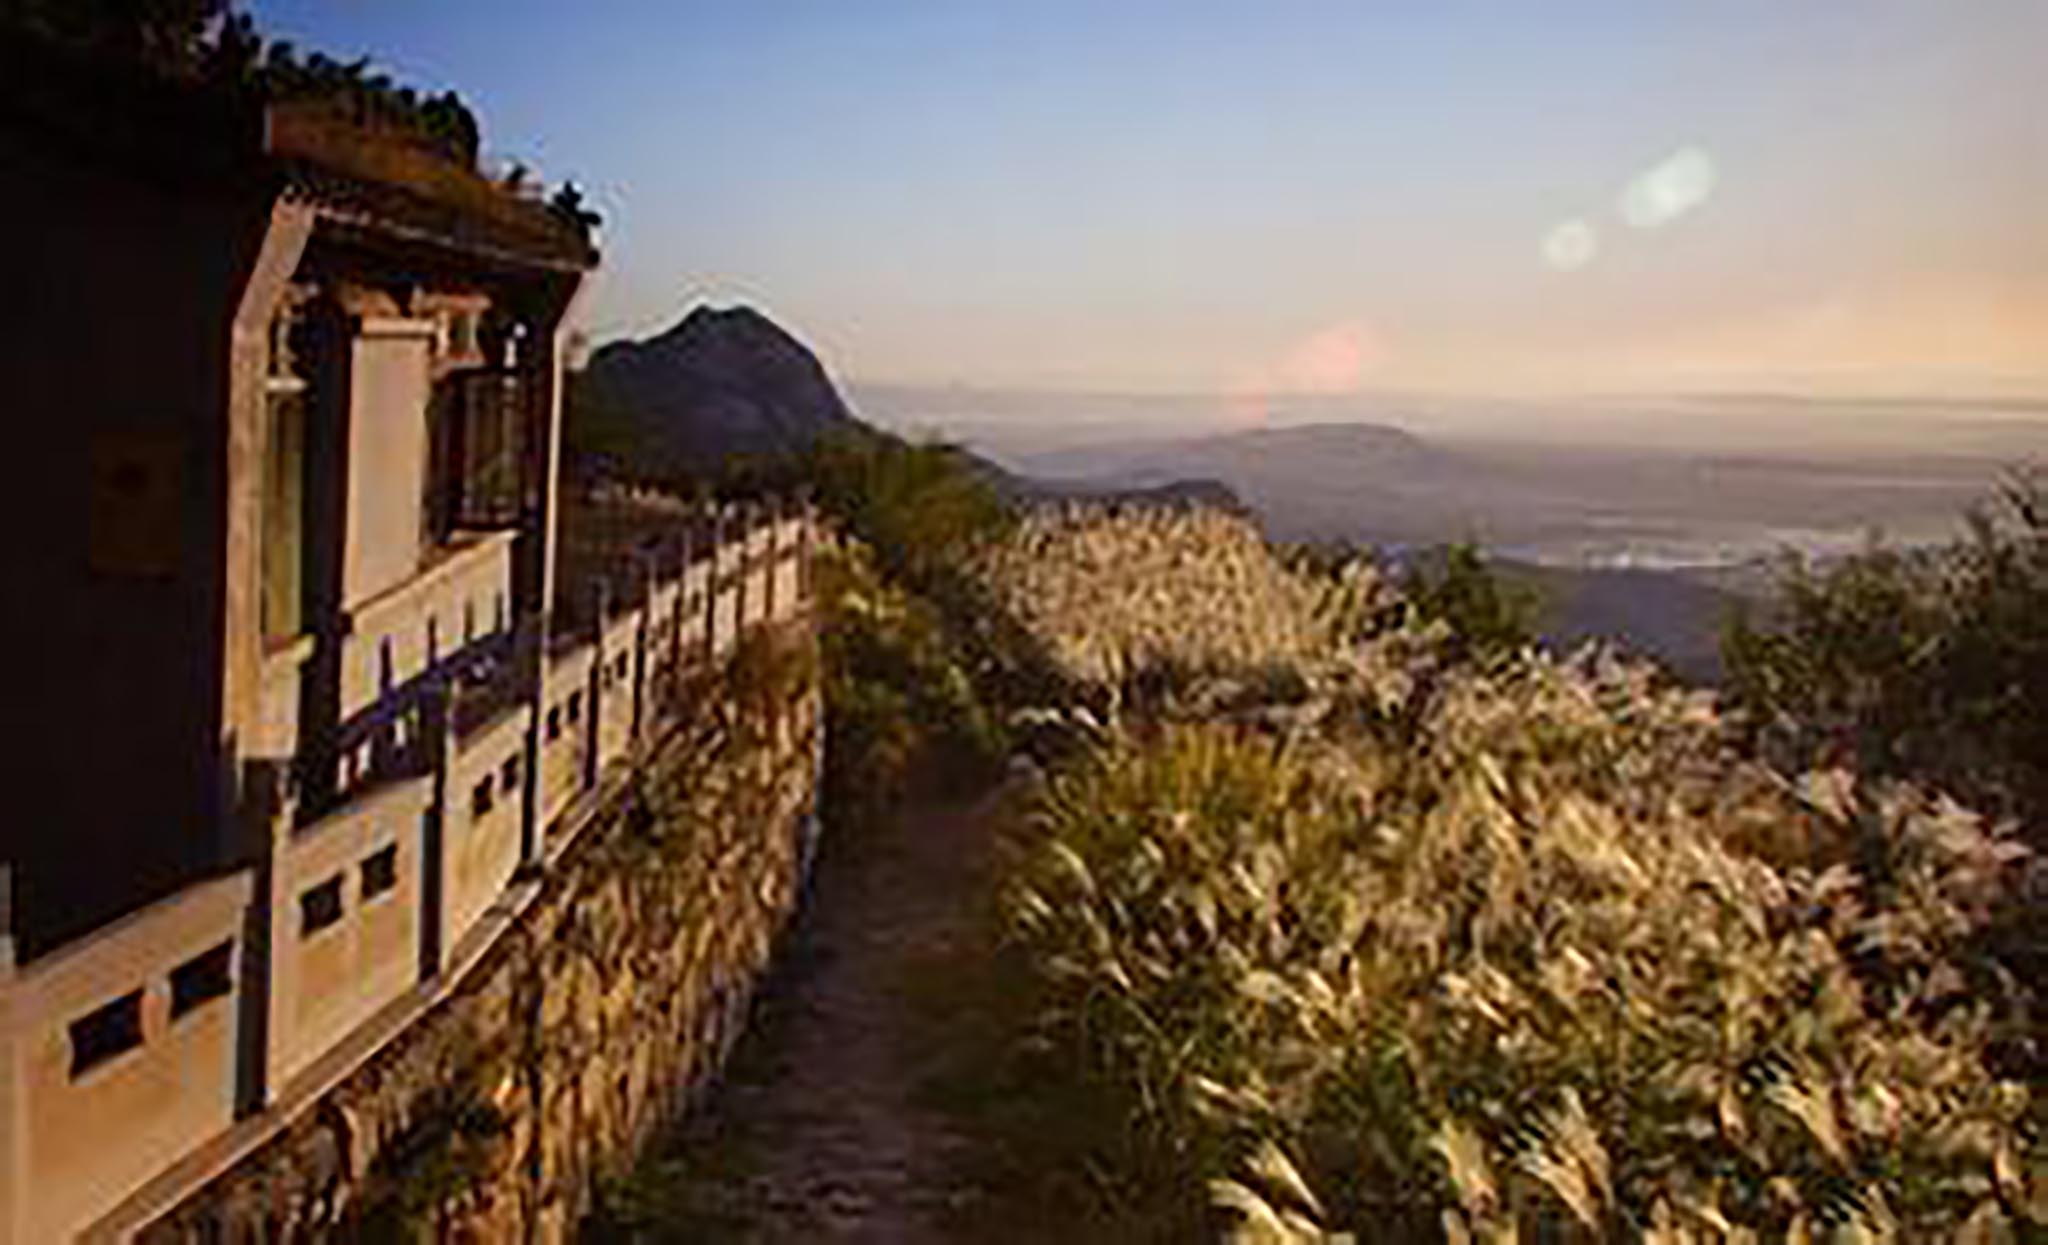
922, 508
1489, 618
900, 702
1930, 664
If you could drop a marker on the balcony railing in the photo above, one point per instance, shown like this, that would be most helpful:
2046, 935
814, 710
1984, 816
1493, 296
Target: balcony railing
462, 596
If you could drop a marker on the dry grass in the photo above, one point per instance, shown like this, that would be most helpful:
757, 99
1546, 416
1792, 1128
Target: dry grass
1430, 951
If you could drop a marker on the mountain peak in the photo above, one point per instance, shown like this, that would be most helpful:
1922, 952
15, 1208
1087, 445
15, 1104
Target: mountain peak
720, 382
738, 321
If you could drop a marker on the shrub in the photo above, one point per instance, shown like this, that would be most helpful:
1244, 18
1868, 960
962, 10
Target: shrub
898, 694
1488, 618
1930, 664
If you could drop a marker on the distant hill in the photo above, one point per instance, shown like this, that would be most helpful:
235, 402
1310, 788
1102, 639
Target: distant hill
1592, 504
1307, 481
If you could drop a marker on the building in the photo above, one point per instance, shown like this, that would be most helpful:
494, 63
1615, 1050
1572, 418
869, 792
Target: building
290, 386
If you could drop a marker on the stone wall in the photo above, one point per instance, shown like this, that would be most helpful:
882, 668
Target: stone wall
593, 1021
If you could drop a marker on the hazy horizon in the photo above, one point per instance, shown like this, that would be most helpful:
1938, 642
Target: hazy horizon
1294, 199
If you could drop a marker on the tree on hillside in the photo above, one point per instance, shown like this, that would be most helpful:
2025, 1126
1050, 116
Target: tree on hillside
920, 507
1487, 616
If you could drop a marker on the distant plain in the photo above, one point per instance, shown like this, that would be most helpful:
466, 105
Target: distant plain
1644, 519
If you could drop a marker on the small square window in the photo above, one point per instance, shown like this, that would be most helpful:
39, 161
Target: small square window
380, 872
619, 667
102, 1034
508, 773
202, 978
555, 722
480, 799
320, 907
575, 706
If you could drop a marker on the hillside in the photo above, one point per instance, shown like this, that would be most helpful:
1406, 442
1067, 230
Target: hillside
1307, 482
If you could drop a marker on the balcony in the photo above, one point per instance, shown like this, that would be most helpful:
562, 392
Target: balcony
449, 626
461, 596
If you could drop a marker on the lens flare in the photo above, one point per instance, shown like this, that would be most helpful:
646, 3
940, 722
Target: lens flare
1571, 245
1332, 360
1669, 189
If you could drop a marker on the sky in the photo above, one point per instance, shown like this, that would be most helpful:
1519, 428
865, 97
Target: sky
1291, 197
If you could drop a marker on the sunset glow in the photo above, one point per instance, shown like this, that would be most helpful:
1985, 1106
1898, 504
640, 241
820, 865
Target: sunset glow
1173, 199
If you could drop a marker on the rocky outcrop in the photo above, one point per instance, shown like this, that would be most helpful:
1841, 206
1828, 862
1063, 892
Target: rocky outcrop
723, 382
592, 1023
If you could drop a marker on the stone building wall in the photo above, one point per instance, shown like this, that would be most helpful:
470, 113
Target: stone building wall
593, 1021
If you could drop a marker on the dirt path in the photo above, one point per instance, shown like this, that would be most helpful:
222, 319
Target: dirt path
823, 1128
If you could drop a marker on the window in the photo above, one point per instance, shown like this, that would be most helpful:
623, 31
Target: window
320, 907
480, 799
555, 722
204, 977
105, 1033
380, 872
575, 705
508, 773
619, 667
